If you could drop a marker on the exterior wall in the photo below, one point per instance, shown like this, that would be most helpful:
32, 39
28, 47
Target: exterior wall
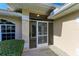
18, 23
25, 28
22, 26
66, 34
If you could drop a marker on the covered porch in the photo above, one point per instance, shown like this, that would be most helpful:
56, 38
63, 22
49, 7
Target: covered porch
37, 29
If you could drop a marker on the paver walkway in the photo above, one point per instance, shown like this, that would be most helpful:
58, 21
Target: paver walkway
39, 52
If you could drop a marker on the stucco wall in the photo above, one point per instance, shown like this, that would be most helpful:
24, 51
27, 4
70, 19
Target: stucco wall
22, 26
66, 33
18, 23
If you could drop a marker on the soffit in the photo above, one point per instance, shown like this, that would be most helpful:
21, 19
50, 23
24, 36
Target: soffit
38, 8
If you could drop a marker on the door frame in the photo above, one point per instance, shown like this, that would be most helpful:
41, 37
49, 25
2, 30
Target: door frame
45, 44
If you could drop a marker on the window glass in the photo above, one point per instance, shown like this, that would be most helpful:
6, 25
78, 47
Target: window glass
7, 29
42, 39
42, 28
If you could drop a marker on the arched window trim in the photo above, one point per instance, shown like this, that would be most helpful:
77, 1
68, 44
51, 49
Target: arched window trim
7, 20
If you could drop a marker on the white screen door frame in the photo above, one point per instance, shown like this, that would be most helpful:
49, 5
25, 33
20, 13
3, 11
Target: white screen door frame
43, 35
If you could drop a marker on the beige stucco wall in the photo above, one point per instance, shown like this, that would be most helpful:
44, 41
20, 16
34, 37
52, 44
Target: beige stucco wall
22, 26
18, 23
66, 33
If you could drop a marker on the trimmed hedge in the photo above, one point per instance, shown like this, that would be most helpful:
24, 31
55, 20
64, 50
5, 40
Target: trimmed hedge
11, 47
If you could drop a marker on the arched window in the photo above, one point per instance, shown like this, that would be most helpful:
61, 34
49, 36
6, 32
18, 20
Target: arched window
7, 30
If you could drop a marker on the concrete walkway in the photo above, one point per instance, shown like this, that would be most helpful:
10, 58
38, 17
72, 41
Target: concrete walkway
39, 52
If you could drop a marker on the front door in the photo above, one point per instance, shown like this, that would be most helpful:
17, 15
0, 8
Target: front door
42, 34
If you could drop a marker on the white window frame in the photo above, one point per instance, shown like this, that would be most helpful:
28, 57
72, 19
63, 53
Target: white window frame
6, 25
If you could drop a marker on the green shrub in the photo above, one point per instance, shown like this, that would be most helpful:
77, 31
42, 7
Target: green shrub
11, 47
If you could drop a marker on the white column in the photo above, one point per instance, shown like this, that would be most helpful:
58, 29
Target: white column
25, 30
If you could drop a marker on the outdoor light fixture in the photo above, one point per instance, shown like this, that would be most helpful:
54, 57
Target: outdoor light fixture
38, 15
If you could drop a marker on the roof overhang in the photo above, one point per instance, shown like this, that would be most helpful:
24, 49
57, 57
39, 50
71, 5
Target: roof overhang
39, 8
69, 8
10, 13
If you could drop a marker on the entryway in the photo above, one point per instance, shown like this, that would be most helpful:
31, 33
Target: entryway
39, 34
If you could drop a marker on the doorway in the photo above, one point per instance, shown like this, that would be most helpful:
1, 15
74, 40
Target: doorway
42, 33
39, 34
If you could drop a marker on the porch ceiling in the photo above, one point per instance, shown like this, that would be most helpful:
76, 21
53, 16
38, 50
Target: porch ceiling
38, 8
